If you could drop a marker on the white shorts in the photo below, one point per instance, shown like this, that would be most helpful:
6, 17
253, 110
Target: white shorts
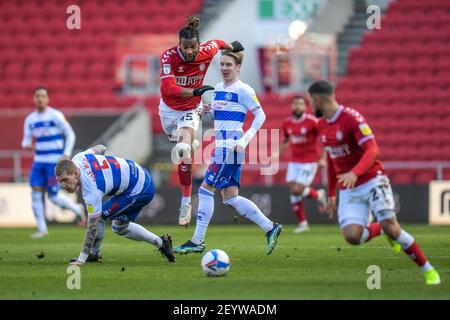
302, 173
376, 196
172, 120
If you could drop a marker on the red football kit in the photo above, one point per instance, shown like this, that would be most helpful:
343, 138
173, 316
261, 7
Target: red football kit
302, 134
177, 73
350, 146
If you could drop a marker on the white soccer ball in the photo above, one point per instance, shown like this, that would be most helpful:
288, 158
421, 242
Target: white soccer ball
215, 263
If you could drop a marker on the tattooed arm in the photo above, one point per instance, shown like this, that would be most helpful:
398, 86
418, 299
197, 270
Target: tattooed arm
91, 234
93, 199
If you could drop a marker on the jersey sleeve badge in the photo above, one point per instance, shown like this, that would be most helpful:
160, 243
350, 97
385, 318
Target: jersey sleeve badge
365, 129
255, 98
166, 68
90, 209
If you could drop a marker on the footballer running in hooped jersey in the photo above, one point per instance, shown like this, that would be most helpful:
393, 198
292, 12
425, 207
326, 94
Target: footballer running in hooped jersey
54, 139
353, 165
301, 136
183, 69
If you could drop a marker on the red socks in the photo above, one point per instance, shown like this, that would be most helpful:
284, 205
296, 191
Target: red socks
299, 210
374, 230
312, 193
416, 254
185, 176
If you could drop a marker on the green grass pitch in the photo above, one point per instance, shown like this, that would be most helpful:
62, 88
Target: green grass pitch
316, 265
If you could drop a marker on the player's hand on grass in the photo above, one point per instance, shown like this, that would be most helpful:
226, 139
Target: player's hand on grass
331, 207
348, 179
237, 46
199, 91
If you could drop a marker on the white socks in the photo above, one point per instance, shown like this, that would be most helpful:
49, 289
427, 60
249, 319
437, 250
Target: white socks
37, 200
248, 209
185, 201
137, 232
306, 192
65, 203
405, 240
204, 214
296, 199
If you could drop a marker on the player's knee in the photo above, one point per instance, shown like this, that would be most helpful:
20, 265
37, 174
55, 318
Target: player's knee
353, 239
120, 229
352, 236
183, 150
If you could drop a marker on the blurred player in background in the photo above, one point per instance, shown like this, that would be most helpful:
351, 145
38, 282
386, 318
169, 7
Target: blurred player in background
113, 189
183, 70
300, 134
232, 100
353, 164
53, 140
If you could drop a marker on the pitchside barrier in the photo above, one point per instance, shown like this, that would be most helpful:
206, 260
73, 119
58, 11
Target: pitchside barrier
412, 203
439, 205
15, 207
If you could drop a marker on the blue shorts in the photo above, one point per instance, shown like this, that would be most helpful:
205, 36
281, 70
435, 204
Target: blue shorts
43, 175
126, 207
225, 169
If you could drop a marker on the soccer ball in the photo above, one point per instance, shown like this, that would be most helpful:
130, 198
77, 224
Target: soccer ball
215, 263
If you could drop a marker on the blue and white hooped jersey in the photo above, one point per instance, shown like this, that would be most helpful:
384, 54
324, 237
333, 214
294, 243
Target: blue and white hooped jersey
230, 106
54, 137
104, 176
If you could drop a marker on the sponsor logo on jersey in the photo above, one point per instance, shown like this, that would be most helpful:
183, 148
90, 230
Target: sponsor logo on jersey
338, 151
296, 139
189, 81
365, 129
166, 68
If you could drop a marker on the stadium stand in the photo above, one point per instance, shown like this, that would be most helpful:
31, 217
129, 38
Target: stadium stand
79, 65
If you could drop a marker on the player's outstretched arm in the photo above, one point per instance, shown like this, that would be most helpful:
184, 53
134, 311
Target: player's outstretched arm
91, 233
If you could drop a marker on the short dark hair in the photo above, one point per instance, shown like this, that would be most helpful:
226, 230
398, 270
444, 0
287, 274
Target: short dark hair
191, 30
321, 87
40, 88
